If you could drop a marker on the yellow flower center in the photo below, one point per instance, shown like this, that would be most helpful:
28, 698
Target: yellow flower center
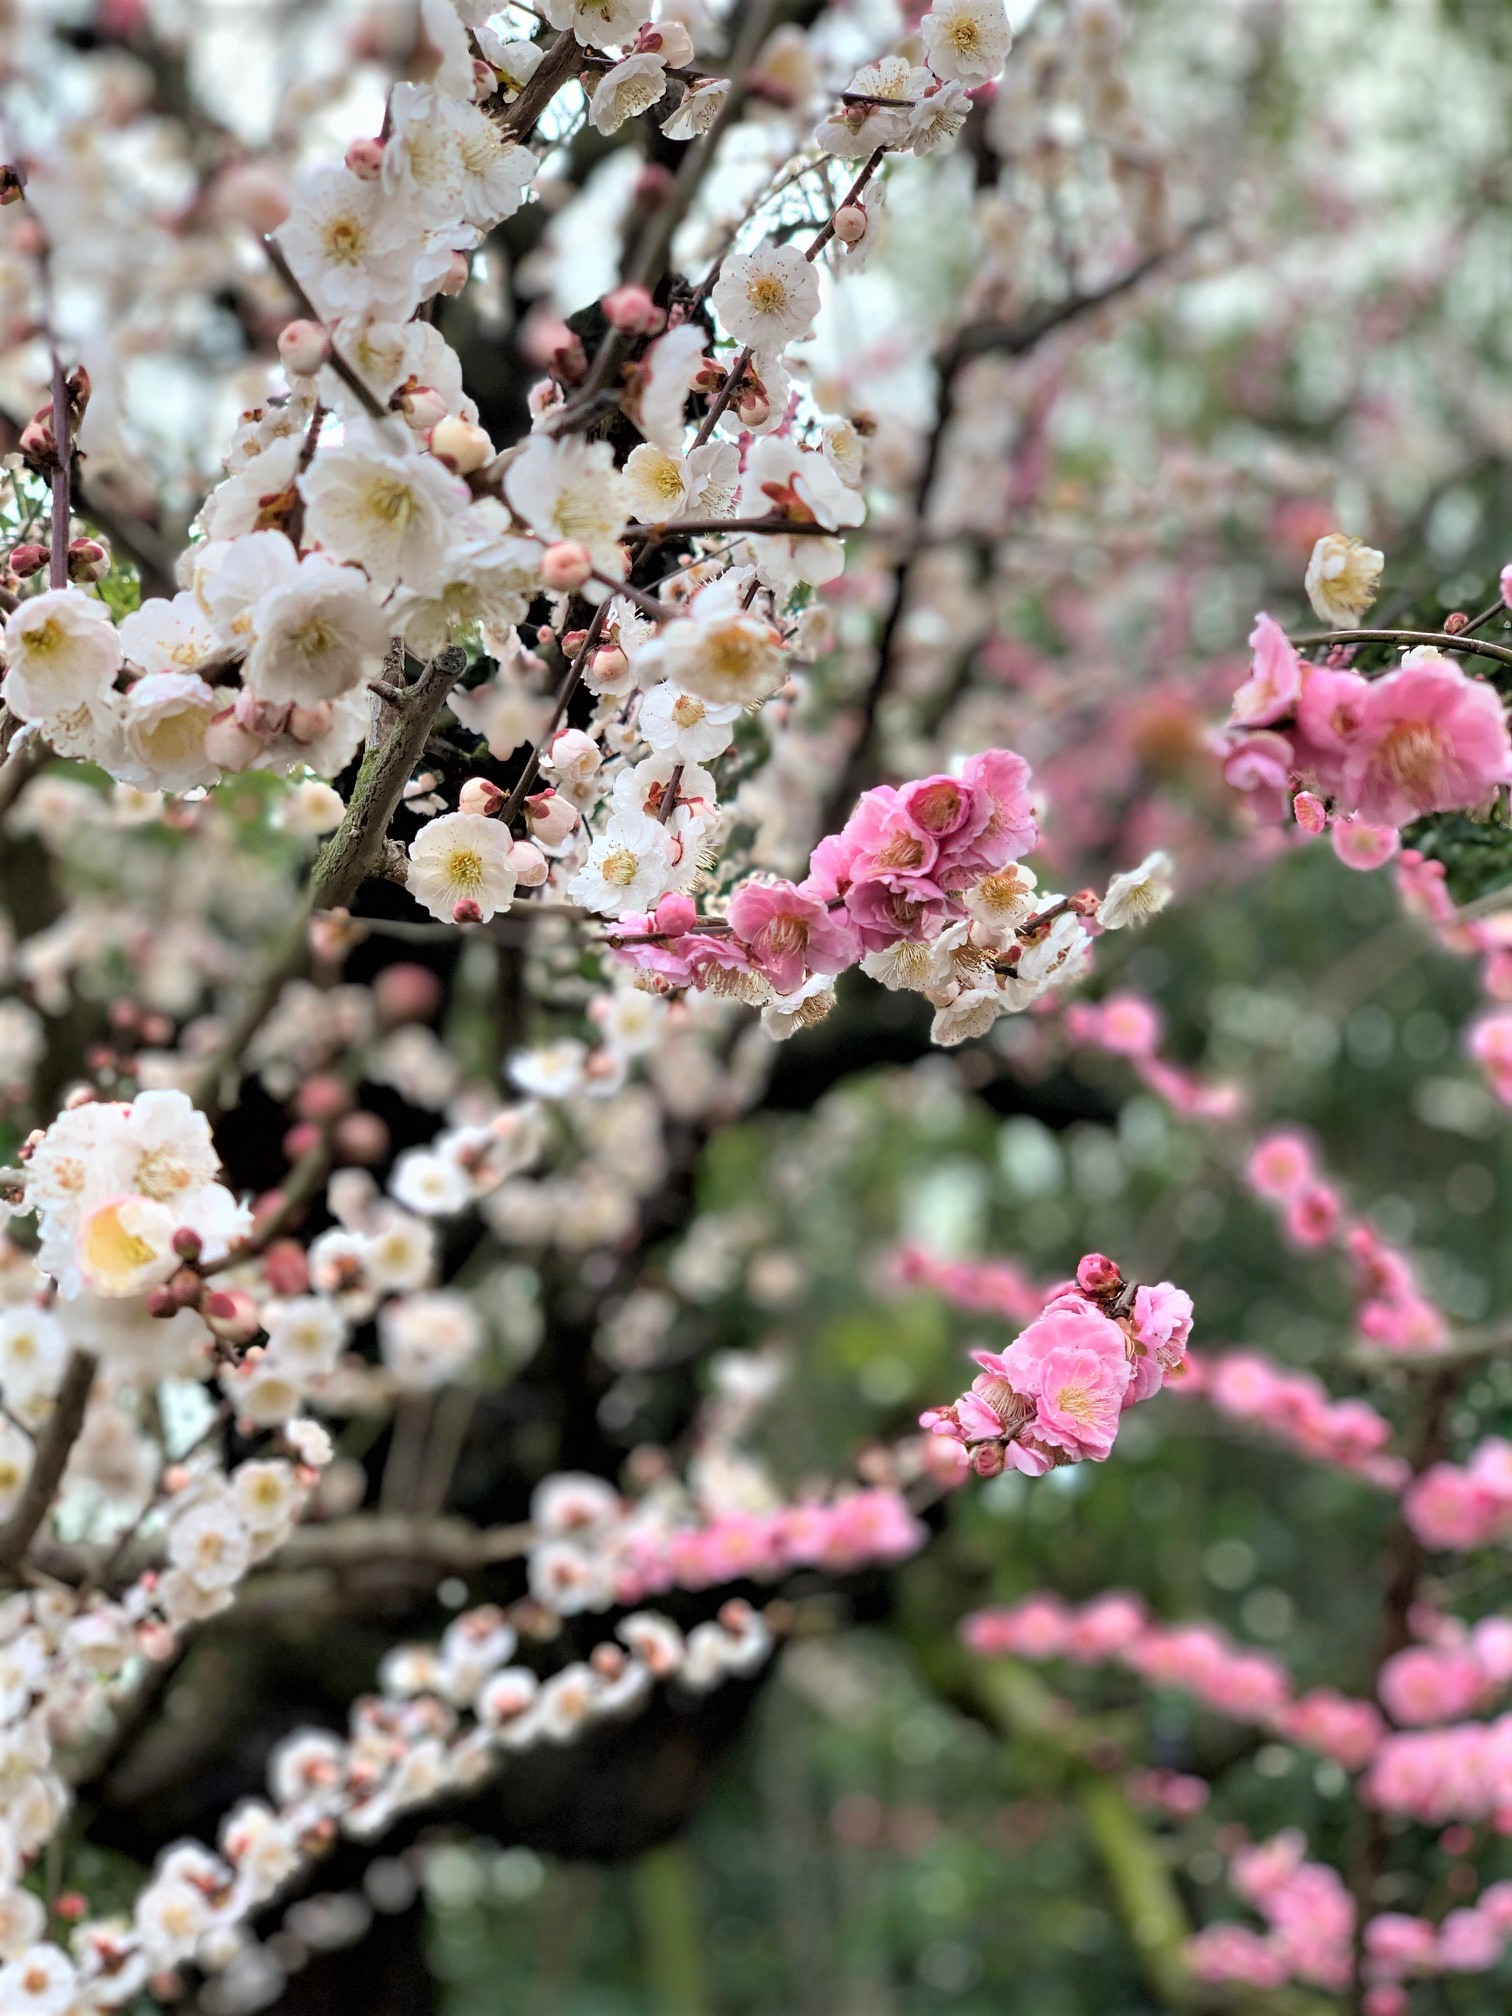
767, 294
620, 868
464, 870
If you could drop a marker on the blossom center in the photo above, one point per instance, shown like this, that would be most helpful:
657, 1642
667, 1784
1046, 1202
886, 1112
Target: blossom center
621, 867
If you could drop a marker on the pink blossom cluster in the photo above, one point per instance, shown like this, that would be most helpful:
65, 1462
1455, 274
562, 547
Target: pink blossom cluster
1056, 1395
1422, 885
593, 1552
1461, 1506
1423, 738
1310, 1921
1116, 1628
985, 1287
1309, 1916
1462, 1771
1456, 1672
1130, 1026
896, 873
1392, 1310
1297, 1408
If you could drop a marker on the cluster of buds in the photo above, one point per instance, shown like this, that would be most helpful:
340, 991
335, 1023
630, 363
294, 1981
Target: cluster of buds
39, 437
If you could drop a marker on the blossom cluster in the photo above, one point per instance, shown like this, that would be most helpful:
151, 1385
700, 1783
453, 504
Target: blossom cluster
1198, 1659
1055, 1396
1325, 741
1421, 884
1392, 1310
1464, 1505
1296, 1408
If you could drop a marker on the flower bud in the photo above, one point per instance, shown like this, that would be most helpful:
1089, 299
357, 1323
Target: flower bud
653, 185
232, 1315
230, 746
303, 347
88, 560
485, 79
460, 445
668, 39
365, 159
308, 724
362, 1138
322, 1097
1096, 1274
285, 1267
632, 311
458, 273
406, 993
752, 406
480, 797
299, 1140
566, 565
187, 1243
550, 817
1311, 813
850, 223
423, 407
529, 864
162, 1303
988, 1460
466, 912
1454, 622
28, 559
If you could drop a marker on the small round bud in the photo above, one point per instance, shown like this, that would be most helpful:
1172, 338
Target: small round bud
566, 565
308, 724
365, 159
303, 347
632, 311
752, 407
28, 559
300, 1139
988, 1460
480, 797
529, 864
423, 407
322, 1098
232, 1315
1096, 1274
466, 912
485, 79
1456, 621
285, 1267
362, 1138
187, 1243
406, 993
850, 223
162, 1303
550, 817
460, 445
230, 746
88, 560
458, 273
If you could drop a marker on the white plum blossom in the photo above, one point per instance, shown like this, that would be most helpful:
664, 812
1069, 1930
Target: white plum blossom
632, 86
571, 490
1343, 579
317, 635
164, 718
352, 249
691, 728
1137, 894
767, 298
598, 24
966, 41
460, 858
629, 867
375, 502
61, 652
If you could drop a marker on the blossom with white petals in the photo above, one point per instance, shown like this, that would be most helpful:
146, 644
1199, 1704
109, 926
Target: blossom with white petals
460, 858
767, 298
61, 652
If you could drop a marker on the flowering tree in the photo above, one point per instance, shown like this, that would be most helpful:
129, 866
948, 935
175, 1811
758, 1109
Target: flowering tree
552, 651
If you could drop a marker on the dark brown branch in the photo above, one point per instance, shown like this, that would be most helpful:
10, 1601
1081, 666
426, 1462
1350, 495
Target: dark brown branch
51, 1459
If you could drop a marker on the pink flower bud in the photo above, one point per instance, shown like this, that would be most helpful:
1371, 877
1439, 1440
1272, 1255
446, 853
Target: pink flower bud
632, 311
230, 746
752, 406
529, 864
406, 993
308, 724
423, 407
322, 1097
668, 39
232, 1315
300, 1139
1096, 1274
460, 445
566, 565
37, 443
162, 1303
365, 159
303, 347
485, 79
675, 915
653, 185
988, 1460
361, 1138
466, 912
480, 797
187, 1243
28, 559
258, 716
88, 560
285, 1268
458, 273
550, 817
850, 224
609, 665
1312, 814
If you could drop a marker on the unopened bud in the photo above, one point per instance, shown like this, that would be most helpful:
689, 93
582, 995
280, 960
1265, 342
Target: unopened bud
88, 560
28, 559
632, 311
480, 797
1456, 621
752, 406
609, 666
988, 1460
1311, 813
285, 1267
232, 1315
187, 1243
322, 1097
162, 1303
668, 39
230, 746
653, 185
565, 566
458, 273
485, 79
1096, 1274
308, 724
466, 912
850, 223
365, 159
406, 993
362, 1138
303, 347
550, 817
422, 406
460, 445
529, 864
